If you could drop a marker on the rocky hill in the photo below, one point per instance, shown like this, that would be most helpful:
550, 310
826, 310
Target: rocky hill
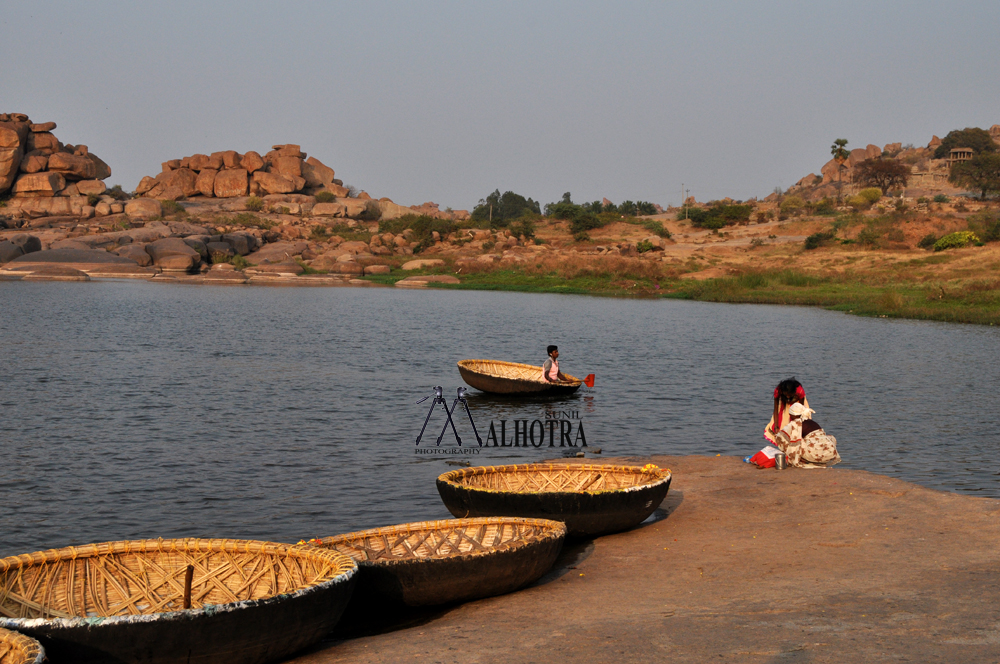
42, 174
928, 176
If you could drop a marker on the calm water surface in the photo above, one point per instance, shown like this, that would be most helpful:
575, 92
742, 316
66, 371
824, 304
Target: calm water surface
137, 410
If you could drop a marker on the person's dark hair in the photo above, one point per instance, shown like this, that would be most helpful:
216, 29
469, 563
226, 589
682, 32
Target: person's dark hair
548, 351
787, 392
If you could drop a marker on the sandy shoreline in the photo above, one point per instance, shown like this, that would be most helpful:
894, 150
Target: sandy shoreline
742, 565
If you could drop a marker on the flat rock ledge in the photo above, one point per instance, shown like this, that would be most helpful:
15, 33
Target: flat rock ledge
421, 280
741, 565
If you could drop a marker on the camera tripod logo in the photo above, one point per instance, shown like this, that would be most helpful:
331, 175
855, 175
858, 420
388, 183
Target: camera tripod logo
439, 399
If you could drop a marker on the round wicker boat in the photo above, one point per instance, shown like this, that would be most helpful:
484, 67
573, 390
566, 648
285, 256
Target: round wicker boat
250, 602
455, 560
19, 649
590, 499
499, 377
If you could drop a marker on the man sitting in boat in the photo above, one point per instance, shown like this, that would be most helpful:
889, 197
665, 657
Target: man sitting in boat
550, 370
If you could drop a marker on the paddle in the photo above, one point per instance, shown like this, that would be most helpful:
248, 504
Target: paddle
589, 380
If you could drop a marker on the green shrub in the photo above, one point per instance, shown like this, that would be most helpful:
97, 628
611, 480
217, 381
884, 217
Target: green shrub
643, 246
986, 225
928, 241
792, 205
523, 227
255, 203
871, 195
656, 227
824, 208
325, 197
858, 202
117, 193
923, 200
582, 236
239, 262
172, 207
93, 199
222, 257
423, 228
940, 198
320, 234
869, 237
717, 216
372, 211
956, 240
817, 240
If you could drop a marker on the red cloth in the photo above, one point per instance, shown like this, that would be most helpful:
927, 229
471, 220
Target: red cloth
765, 458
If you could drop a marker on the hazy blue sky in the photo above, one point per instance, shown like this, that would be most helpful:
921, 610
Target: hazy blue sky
447, 101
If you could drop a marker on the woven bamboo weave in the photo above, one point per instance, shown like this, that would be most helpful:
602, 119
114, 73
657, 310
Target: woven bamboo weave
18, 649
554, 477
430, 540
508, 377
148, 576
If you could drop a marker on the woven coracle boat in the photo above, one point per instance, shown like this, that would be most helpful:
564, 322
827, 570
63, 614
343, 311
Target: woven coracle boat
250, 602
499, 377
19, 649
590, 499
454, 560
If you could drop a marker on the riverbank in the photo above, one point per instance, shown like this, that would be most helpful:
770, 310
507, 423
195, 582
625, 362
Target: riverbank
741, 565
868, 264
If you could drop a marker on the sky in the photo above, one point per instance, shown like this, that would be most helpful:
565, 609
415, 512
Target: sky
447, 101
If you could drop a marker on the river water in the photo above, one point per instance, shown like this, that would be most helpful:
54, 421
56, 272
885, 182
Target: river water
135, 410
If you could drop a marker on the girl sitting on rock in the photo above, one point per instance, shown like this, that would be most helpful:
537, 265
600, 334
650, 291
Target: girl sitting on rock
804, 442
788, 392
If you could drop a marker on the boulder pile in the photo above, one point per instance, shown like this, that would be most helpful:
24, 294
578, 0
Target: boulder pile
41, 173
229, 174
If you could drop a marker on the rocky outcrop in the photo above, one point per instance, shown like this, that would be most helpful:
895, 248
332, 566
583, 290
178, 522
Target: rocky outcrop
277, 252
230, 174
35, 164
173, 254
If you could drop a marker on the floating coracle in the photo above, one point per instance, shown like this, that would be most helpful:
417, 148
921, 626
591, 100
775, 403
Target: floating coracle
19, 649
175, 601
454, 560
498, 377
590, 499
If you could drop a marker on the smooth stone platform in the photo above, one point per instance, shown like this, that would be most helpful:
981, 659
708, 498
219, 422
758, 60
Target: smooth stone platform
744, 565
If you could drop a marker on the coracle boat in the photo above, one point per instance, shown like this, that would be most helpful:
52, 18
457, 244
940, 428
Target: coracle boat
19, 649
175, 601
499, 377
590, 499
455, 560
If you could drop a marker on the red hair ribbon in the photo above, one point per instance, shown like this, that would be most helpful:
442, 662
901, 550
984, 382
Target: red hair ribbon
775, 393
800, 392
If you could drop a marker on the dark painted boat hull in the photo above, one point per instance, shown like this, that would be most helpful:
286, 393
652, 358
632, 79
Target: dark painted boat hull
427, 582
250, 632
585, 514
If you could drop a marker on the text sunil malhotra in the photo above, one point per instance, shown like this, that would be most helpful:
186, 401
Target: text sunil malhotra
534, 434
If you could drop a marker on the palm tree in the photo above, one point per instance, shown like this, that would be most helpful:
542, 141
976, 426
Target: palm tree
840, 154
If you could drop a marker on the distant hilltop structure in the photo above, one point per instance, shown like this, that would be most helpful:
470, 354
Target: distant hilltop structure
928, 170
37, 170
